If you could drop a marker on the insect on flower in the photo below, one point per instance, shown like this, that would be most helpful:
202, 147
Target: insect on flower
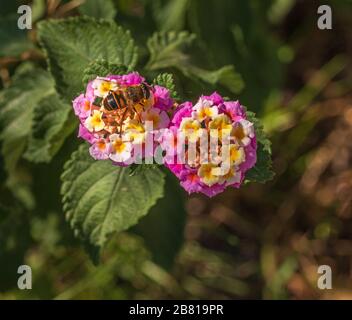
120, 115
125, 101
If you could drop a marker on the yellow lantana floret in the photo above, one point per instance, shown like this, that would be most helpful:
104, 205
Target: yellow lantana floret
191, 128
220, 125
95, 121
207, 173
120, 148
102, 87
204, 109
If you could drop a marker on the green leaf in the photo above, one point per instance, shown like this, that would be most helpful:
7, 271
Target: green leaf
102, 68
13, 41
163, 228
100, 198
71, 44
17, 104
167, 51
100, 9
167, 80
225, 76
53, 122
259, 130
262, 171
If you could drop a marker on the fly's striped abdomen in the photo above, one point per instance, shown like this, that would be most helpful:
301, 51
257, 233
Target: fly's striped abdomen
114, 101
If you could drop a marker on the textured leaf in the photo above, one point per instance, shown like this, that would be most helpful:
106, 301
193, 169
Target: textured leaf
163, 228
262, 171
102, 68
53, 121
225, 76
17, 104
167, 80
167, 50
100, 9
71, 44
260, 133
100, 198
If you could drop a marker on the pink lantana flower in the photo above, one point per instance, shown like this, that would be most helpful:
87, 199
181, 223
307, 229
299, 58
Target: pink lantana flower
82, 106
214, 145
163, 100
100, 149
121, 134
85, 134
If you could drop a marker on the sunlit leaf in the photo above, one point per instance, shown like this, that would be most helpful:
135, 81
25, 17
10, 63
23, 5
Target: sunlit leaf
71, 44
102, 68
100, 198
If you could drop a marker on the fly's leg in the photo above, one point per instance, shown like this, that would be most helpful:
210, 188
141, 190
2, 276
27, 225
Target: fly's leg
138, 114
121, 121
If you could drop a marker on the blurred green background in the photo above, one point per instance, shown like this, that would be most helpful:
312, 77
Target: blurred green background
259, 242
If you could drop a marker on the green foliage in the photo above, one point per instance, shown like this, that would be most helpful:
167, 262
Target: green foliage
53, 122
162, 229
225, 76
101, 68
71, 44
100, 9
167, 80
36, 116
167, 51
100, 199
262, 170
17, 104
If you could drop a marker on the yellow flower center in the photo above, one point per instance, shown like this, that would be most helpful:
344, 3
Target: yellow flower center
96, 120
235, 154
206, 174
118, 146
205, 112
86, 105
101, 145
238, 132
191, 129
105, 87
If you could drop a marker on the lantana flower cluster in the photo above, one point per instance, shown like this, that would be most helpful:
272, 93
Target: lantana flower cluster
223, 145
209, 146
120, 135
